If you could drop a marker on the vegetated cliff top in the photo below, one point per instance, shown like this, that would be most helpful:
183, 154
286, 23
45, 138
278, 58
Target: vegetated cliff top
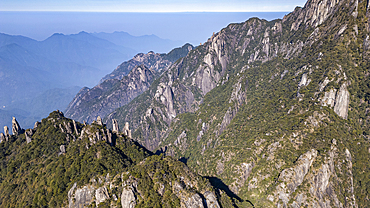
62, 163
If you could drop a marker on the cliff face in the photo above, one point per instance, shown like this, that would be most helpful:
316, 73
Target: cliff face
111, 94
129, 80
259, 104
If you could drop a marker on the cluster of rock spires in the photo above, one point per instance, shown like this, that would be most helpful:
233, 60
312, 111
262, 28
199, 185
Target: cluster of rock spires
66, 127
16, 130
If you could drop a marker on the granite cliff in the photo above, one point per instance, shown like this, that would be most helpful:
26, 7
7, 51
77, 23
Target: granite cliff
126, 82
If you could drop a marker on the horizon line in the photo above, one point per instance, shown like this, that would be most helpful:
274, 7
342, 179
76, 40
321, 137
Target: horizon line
142, 11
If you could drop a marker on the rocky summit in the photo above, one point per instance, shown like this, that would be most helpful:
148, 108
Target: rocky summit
263, 114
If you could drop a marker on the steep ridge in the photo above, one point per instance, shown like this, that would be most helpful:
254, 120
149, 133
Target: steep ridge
277, 110
63, 163
126, 82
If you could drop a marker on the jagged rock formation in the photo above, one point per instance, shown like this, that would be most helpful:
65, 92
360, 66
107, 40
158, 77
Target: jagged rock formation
115, 126
155, 61
16, 128
6, 133
129, 80
126, 130
2, 137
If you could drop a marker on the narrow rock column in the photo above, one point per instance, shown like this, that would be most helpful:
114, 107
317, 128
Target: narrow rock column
16, 128
342, 102
75, 127
28, 138
6, 132
2, 137
126, 130
115, 125
99, 121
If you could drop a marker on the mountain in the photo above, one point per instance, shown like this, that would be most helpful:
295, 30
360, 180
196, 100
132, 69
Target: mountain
142, 44
276, 110
29, 68
126, 82
62, 163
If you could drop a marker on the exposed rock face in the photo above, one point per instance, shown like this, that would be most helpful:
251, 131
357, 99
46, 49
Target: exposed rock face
128, 197
126, 130
16, 129
155, 61
211, 200
115, 126
6, 133
313, 13
36, 125
62, 149
342, 102
329, 98
129, 80
99, 121
2, 137
28, 136
293, 177
101, 194
111, 94
80, 197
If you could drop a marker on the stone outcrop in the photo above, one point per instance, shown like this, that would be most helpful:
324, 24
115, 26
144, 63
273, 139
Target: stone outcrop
28, 135
99, 121
2, 137
16, 128
101, 194
126, 130
129, 80
293, 177
6, 133
342, 102
329, 98
80, 197
128, 198
115, 125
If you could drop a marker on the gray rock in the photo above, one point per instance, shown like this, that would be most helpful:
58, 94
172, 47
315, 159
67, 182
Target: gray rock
2, 137
28, 136
99, 121
195, 201
62, 149
6, 133
16, 128
80, 197
329, 98
211, 200
342, 102
36, 125
75, 127
115, 125
68, 127
126, 130
128, 199
101, 194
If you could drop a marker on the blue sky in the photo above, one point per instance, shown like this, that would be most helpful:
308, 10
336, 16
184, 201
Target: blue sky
151, 5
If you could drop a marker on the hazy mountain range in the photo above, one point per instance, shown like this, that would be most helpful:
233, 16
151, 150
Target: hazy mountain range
28, 68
